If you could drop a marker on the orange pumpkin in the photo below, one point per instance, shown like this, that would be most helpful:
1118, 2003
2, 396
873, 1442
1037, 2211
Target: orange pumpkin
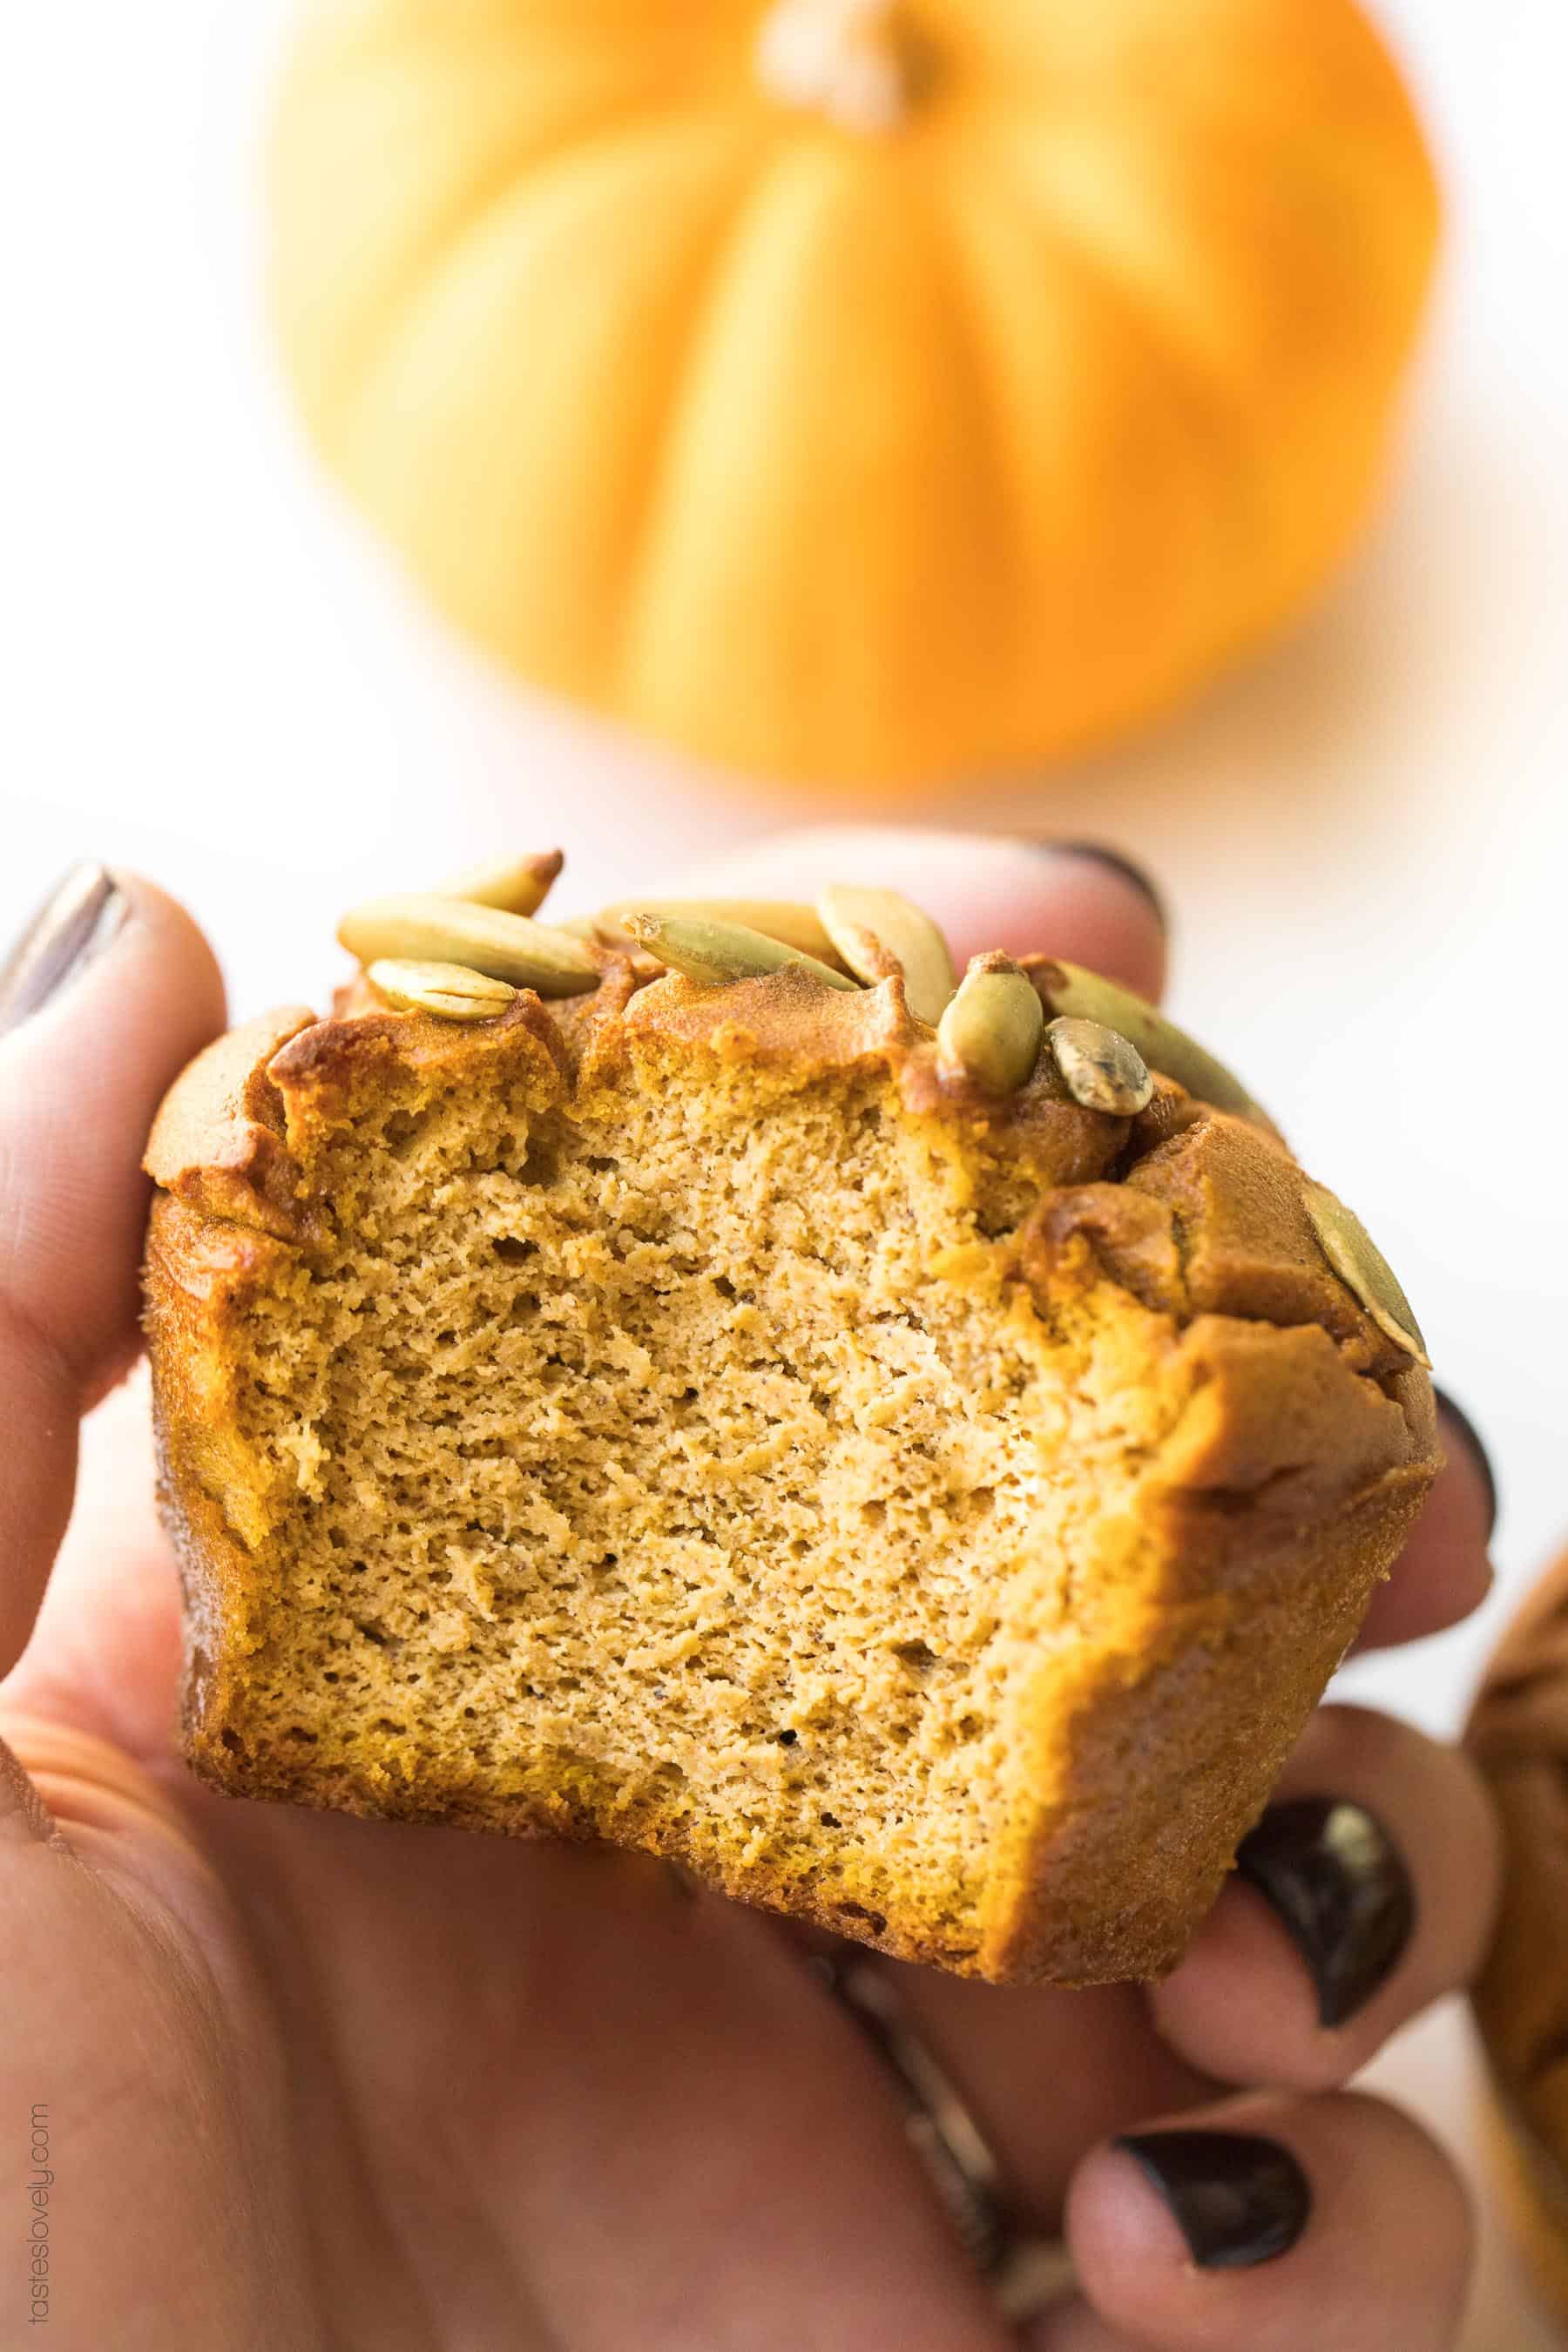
851, 391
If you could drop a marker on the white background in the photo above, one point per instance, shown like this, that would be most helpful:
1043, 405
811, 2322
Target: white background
210, 675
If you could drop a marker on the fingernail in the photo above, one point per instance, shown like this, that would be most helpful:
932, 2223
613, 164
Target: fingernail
70, 929
1483, 1461
1097, 853
1340, 1888
1237, 2199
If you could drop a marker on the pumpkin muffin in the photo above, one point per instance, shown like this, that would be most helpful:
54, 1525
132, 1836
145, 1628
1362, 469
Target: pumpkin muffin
913, 1455
1519, 1736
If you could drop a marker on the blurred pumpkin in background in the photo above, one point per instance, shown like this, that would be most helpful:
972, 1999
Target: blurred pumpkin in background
851, 391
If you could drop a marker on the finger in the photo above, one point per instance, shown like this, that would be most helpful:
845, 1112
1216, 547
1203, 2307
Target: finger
106, 1655
1072, 2325
700, 2151
1444, 1572
1044, 2073
1365, 1891
1269, 2225
111, 994
986, 890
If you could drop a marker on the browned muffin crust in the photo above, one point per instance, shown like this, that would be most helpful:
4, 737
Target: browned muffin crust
1271, 1448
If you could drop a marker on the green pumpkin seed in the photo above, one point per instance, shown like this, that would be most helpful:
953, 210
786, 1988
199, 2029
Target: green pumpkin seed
518, 886
1068, 989
449, 991
861, 921
714, 951
991, 1031
1363, 1268
1100, 1068
776, 919
433, 929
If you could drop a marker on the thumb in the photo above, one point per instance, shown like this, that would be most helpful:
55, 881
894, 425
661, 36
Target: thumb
107, 996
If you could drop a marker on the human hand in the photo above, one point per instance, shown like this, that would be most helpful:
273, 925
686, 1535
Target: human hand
314, 2082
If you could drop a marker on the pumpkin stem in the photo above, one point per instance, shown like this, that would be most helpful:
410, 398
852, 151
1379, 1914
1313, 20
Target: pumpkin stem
841, 58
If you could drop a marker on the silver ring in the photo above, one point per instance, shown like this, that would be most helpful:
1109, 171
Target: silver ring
1023, 2271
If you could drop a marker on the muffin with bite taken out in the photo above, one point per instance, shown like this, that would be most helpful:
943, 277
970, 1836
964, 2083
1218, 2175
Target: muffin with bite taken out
912, 1451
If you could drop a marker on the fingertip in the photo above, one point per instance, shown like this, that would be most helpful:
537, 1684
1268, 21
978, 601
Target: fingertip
1163, 2224
185, 1000
1141, 937
1074, 899
1445, 1572
1115, 2221
107, 947
1365, 1892
1291, 2222
1462, 1438
108, 1013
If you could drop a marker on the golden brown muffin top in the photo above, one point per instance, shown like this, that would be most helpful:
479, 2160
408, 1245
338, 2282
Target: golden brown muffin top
1192, 1203
1190, 1209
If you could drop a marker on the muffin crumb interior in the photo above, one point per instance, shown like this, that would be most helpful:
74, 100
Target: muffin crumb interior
683, 1470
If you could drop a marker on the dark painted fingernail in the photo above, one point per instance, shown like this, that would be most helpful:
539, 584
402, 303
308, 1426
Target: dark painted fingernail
1340, 1888
1237, 2199
70, 929
1098, 855
1483, 1461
